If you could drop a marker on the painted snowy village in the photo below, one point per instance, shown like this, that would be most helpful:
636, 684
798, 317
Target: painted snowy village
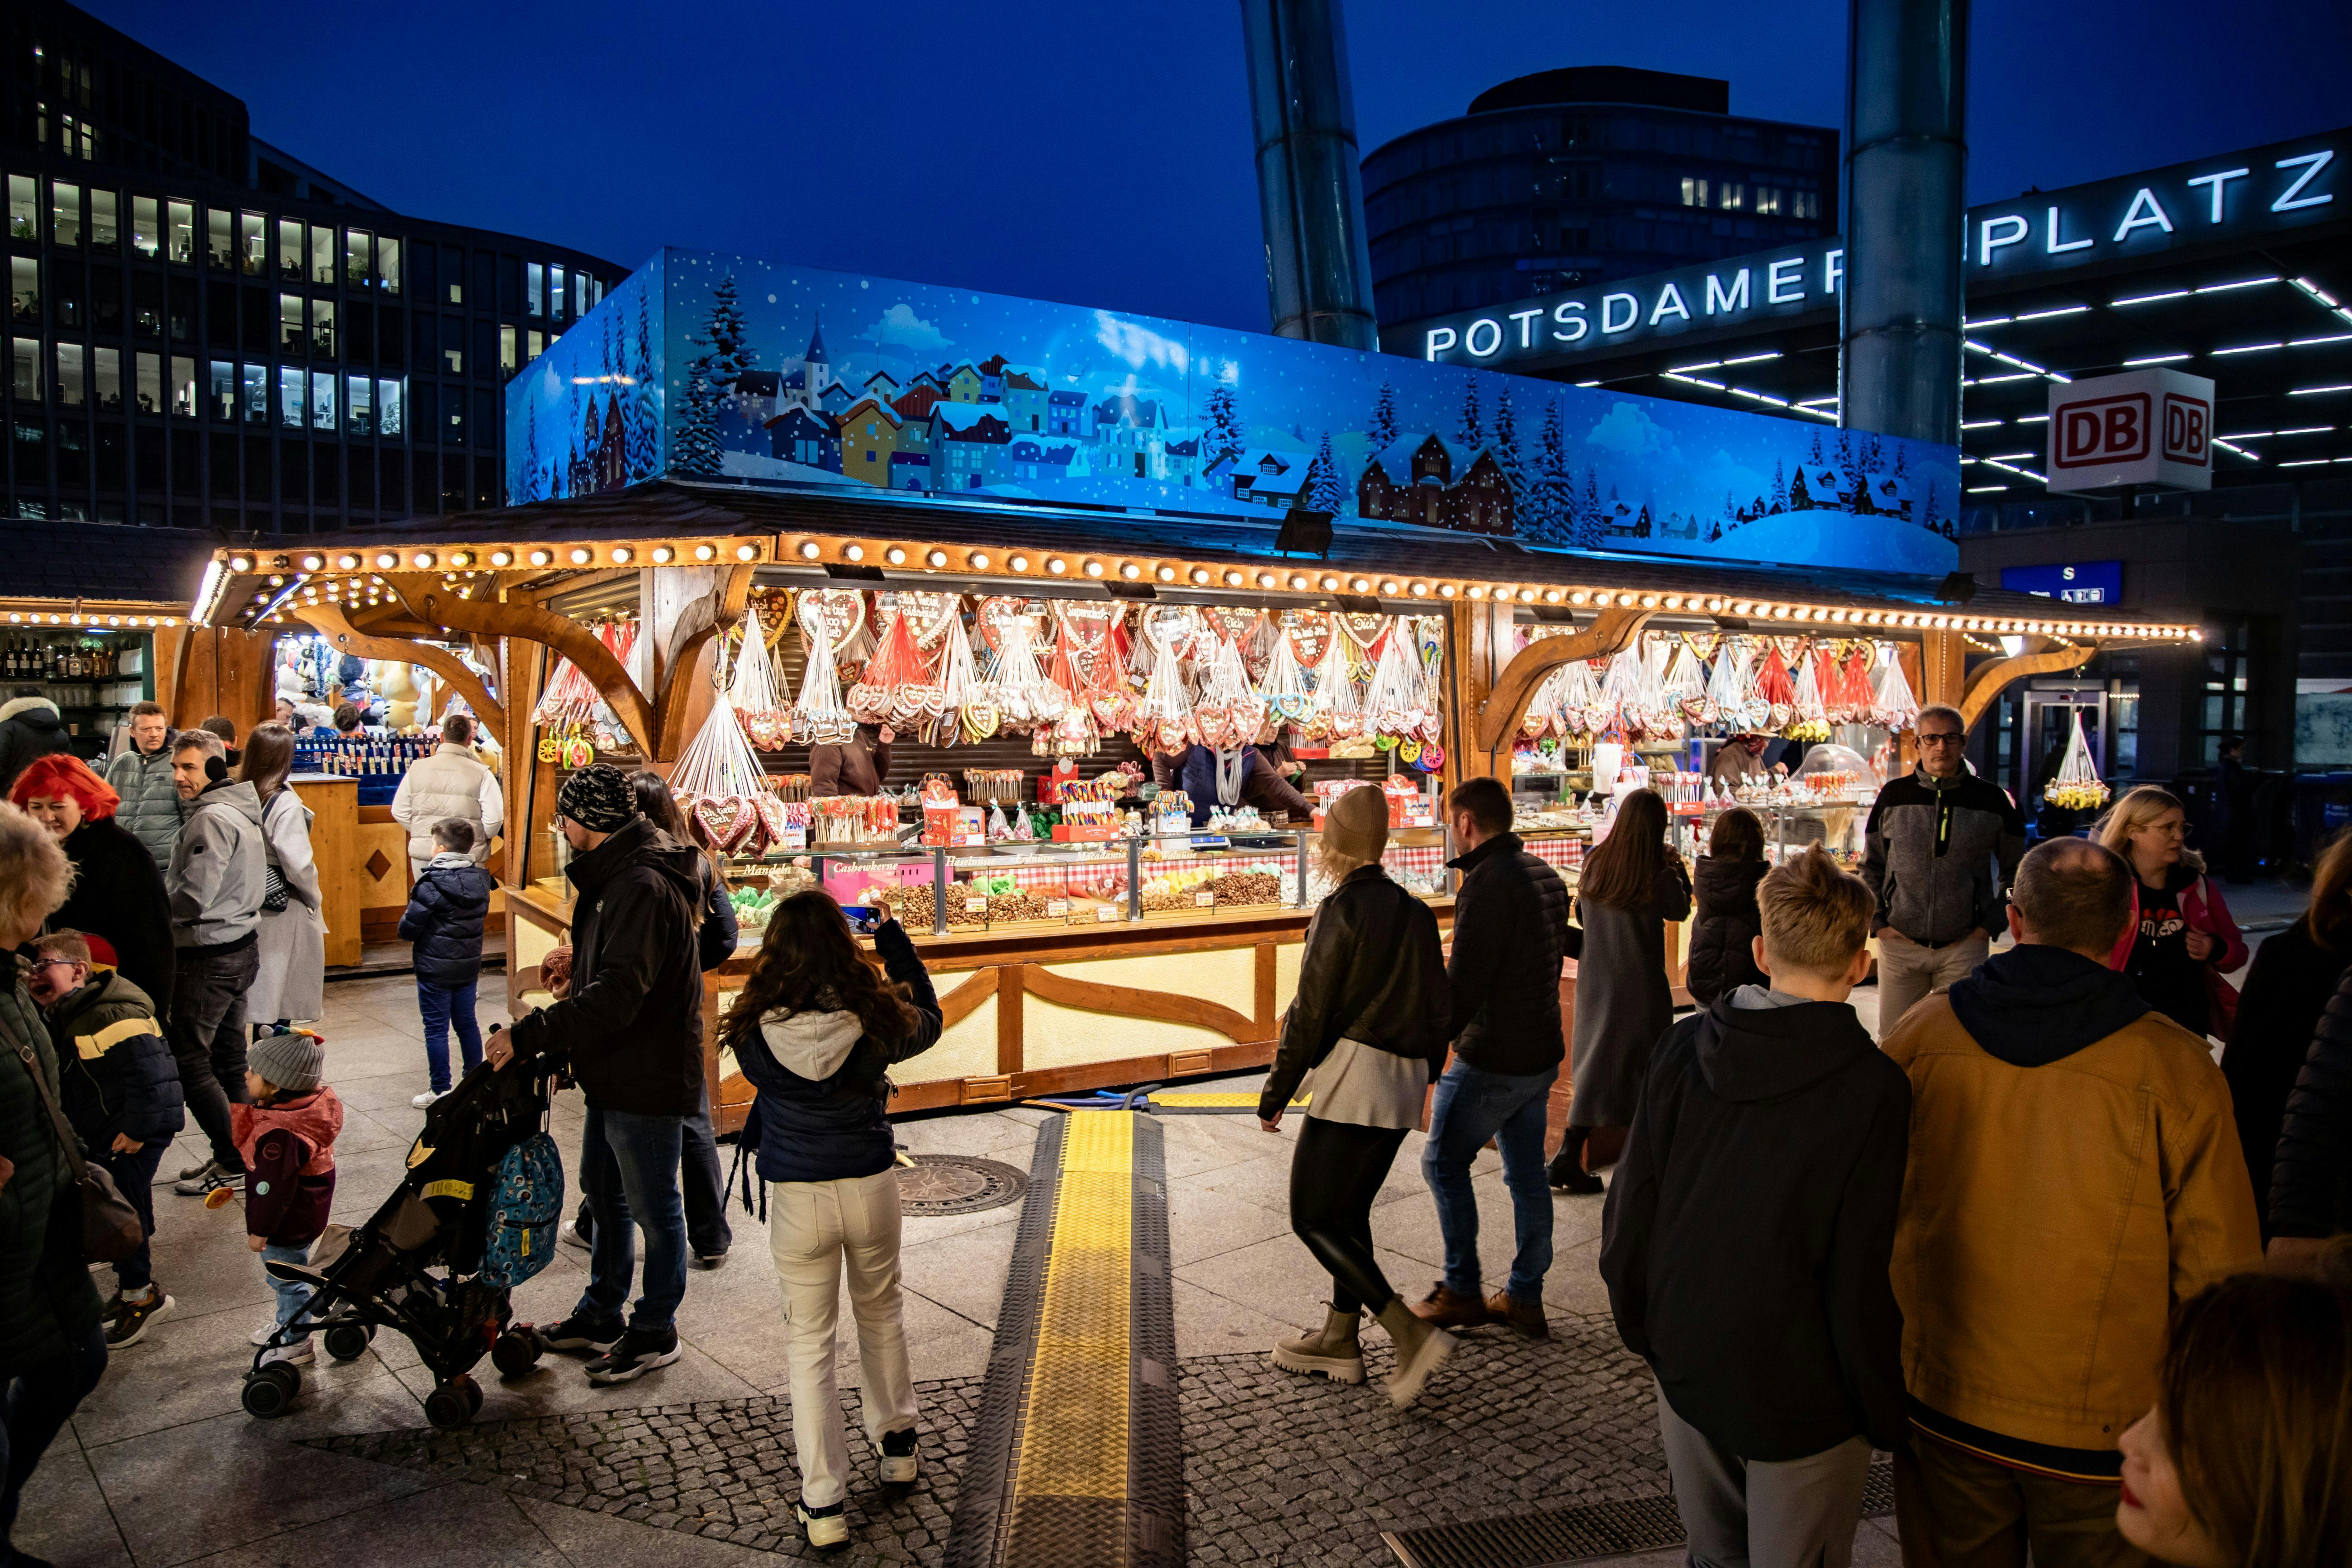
736, 370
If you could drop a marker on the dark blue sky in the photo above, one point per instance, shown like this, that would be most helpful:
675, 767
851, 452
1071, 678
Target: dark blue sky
1107, 161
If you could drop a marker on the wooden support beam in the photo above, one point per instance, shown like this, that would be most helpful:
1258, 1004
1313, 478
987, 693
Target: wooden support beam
565, 636
1610, 631
681, 633
1988, 681
330, 623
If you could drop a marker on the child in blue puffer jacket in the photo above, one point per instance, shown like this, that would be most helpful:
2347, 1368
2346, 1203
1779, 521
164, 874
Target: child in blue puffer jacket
447, 910
816, 1029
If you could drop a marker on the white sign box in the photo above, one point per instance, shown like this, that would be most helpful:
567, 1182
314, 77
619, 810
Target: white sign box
2151, 426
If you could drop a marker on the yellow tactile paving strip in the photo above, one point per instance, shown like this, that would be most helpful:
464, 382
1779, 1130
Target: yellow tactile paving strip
1206, 1100
1073, 1428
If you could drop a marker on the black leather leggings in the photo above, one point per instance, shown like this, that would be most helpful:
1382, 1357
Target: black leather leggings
1336, 1171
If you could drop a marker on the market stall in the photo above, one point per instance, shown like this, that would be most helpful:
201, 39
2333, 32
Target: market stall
93, 658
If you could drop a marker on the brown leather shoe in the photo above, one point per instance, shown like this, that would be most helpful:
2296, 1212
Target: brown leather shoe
1442, 1309
1527, 1317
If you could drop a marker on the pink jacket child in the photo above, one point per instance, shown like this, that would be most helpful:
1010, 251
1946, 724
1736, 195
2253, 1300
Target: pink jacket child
286, 1140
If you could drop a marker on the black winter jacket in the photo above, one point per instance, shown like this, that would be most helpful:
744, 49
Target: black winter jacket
118, 893
714, 942
1510, 932
2278, 1011
630, 1034
30, 729
115, 1071
1723, 937
1748, 1234
822, 1084
2311, 1176
46, 1301
447, 910
1372, 971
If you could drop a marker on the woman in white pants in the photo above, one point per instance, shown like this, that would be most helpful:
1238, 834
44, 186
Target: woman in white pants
816, 1028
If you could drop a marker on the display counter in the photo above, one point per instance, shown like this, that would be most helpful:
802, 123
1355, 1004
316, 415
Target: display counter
1051, 1005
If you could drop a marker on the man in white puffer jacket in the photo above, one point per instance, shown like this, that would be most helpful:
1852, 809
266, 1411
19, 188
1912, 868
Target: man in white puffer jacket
451, 781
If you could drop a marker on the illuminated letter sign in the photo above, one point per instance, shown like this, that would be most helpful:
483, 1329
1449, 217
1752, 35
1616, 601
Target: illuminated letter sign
1609, 322
1719, 299
2151, 426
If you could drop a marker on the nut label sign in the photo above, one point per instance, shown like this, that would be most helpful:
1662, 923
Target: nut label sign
2148, 427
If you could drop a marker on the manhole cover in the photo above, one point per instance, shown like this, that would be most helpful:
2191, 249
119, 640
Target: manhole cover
958, 1183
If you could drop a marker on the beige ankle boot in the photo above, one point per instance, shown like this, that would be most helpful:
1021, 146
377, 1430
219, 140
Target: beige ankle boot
1330, 1349
1420, 1349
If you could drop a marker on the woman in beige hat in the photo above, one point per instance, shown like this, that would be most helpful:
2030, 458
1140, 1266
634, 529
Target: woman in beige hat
1369, 1023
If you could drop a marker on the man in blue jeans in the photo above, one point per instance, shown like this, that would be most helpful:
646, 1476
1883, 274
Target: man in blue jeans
627, 1026
1510, 934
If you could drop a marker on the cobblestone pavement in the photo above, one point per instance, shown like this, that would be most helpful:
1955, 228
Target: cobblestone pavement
1277, 1469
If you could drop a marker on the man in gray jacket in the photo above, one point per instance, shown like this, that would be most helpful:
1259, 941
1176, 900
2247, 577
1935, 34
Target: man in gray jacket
142, 775
214, 885
1940, 848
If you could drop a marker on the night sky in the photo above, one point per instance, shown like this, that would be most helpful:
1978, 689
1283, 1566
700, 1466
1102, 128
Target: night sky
1107, 160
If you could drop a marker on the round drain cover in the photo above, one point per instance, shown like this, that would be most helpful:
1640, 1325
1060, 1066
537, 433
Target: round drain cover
957, 1184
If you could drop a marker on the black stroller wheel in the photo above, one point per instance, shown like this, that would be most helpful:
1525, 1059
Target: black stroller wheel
515, 1352
348, 1342
269, 1392
448, 1405
473, 1394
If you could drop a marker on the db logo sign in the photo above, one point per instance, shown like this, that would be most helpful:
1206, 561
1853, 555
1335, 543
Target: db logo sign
2149, 428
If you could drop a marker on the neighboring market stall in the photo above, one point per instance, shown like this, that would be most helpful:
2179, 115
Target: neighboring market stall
750, 579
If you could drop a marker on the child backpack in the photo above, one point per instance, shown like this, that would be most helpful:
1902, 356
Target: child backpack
526, 1202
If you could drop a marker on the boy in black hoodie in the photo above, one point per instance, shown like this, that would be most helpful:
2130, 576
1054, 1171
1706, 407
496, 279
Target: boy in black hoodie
1748, 1234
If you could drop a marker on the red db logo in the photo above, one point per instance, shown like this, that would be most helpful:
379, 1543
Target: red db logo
2188, 426
2104, 431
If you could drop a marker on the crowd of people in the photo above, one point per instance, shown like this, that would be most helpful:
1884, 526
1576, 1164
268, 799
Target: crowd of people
2017, 1238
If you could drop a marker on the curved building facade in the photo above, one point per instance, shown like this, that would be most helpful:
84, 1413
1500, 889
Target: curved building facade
1582, 175
206, 331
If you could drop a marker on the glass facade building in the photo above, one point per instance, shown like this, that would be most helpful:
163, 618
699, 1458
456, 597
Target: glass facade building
206, 332
1583, 175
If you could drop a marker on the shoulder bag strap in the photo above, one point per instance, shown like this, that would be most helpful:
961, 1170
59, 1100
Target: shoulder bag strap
66, 1138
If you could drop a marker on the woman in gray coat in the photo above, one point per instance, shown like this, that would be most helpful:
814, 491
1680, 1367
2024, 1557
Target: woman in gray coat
1632, 886
290, 982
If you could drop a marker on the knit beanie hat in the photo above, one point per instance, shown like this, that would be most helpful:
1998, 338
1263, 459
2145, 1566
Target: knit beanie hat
291, 1061
1357, 824
598, 798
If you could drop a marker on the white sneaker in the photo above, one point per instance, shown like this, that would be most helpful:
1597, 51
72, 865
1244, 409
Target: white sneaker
827, 1530
299, 1355
264, 1334
422, 1100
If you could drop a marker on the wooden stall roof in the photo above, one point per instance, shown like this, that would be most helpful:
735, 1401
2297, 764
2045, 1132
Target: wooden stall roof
1397, 564
156, 569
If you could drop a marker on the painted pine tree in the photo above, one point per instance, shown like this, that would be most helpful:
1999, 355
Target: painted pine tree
644, 408
1506, 452
1553, 518
1780, 501
1816, 458
698, 450
730, 355
1383, 432
1226, 435
1325, 491
1588, 527
534, 483
1472, 434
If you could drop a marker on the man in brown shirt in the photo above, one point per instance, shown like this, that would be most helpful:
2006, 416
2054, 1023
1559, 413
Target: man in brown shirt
858, 768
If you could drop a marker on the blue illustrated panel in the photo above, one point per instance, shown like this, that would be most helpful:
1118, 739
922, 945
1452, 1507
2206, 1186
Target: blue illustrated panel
766, 373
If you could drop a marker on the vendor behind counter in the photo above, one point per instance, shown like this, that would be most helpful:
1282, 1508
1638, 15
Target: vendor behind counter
857, 768
1244, 777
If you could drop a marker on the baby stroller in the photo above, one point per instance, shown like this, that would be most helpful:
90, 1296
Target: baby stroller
474, 1216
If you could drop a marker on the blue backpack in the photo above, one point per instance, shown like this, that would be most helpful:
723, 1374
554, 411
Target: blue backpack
526, 1202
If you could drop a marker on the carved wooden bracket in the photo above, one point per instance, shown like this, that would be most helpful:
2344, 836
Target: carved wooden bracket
1610, 631
1988, 681
1128, 1002
565, 636
440, 661
697, 624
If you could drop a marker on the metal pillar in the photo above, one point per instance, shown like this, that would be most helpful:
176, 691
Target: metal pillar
1319, 269
1906, 222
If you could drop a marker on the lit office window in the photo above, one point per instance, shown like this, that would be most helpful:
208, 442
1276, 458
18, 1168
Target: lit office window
1734, 197
105, 223
536, 342
65, 213
254, 384
555, 293
291, 403
453, 345
106, 379
355, 259
507, 363
322, 329
387, 264
220, 237
150, 383
1808, 203
359, 404
27, 378
535, 284
1694, 192
24, 290
24, 212
323, 256
69, 374
253, 245
146, 237
181, 241
322, 400
390, 402
183, 387
290, 259
1767, 201
453, 273
290, 324
223, 390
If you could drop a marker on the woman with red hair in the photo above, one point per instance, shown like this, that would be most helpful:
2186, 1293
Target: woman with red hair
118, 893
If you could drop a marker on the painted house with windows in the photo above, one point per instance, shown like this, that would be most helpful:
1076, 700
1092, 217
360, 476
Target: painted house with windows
1023, 388
969, 443
1037, 456
1066, 413
871, 432
1437, 482
801, 435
